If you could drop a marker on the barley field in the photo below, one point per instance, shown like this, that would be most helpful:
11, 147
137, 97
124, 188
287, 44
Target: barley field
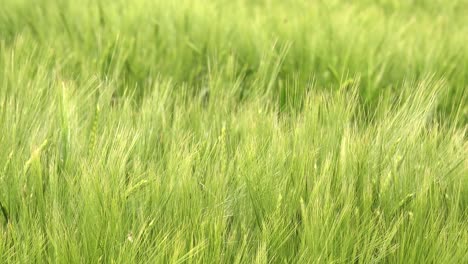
240, 131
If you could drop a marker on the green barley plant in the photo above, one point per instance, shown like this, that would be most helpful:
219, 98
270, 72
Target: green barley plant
239, 131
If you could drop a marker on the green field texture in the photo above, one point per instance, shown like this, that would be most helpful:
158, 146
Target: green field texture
241, 131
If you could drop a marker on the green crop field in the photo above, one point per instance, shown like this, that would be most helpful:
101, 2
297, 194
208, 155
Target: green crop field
234, 131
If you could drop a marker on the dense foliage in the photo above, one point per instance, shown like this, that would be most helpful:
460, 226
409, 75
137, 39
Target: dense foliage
233, 131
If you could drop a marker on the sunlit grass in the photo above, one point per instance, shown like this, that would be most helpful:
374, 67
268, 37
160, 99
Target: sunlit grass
233, 131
